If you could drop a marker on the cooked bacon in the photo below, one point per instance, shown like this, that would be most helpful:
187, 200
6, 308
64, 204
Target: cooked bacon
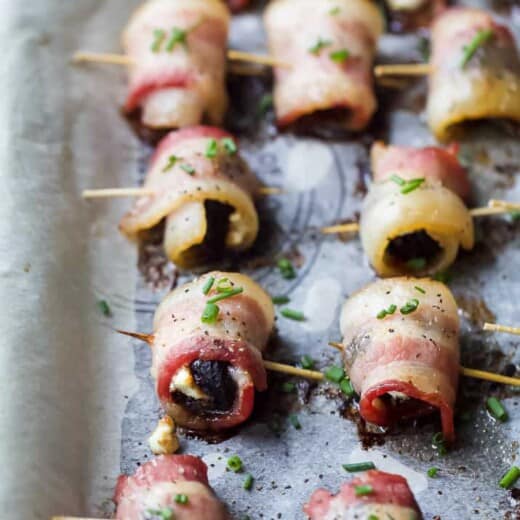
181, 195
488, 86
390, 497
183, 85
239, 337
237, 5
403, 365
155, 485
316, 83
432, 163
429, 223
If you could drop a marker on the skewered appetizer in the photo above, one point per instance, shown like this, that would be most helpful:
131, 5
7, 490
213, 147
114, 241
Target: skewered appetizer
401, 338
208, 339
169, 486
203, 189
330, 47
178, 53
475, 71
425, 221
373, 495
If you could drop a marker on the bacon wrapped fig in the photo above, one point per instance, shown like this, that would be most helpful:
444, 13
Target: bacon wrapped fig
432, 162
178, 48
374, 494
169, 486
401, 338
413, 227
330, 48
207, 347
204, 190
476, 71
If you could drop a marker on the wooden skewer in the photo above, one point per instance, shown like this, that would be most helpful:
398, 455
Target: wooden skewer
510, 206
294, 371
468, 372
341, 228
122, 59
403, 69
495, 327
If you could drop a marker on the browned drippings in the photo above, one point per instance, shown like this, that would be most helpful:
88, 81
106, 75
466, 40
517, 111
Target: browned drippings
475, 310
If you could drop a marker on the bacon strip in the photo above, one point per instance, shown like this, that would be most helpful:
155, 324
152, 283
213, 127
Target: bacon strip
486, 87
239, 337
403, 365
430, 208
432, 163
183, 188
316, 83
390, 497
180, 84
156, 484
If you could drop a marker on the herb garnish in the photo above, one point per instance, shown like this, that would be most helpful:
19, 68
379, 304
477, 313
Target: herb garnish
496, 409
159, 35
208, 285
345, 385
171, 163
181, 499
234, 463
407, 186
248, 482
479, 39
165, 513
211, 149
188, 168
177, 36
340, 56
292, 314
335, 373
210, 313
280, 300
104, 308
416, 264
386, 312
224, 294
286, 268
420, 289
432, 472
359, 466
410, 306
288, 387
293, 418
319, 46
229, 145
439, 443
335, 10
510, 478
366, 489
265, 104
307, 362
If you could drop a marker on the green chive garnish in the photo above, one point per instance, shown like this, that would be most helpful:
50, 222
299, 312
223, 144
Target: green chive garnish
307, 362
386, 312
158, 38
319, 46
335, 373
293, 418
177, 36
292, 314
479, 39
229, 145
286, 268
420, 289
398, 180
339, 56
510, 478
359, 466
443, 277
416, 264
373, 517
226, 294
181, 499
211, 149
234, 463
439, 443
411, 185
224, 285
346, 387
248, 482
432, 472
515, 216
104, 308
165, 513
496, 409
208, 285
410, 306
171, 163
366, 489
210, 313
288, 387
265, 104
280, 300
334, 11
188, 168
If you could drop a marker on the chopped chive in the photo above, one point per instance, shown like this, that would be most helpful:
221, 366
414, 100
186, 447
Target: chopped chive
479, 39
288, 387
226, 294
439, 444
265, 104
381, 315
210, 313
177, 36
286, 269
234, 463
510, 478
398, 180
292, 314
208, 285
375, 517
211, 149
319, 46
104, 308
188, 168
293, 418
346, 387
334, 11
181, 499
412, 185
386, 312
165, 513
335, 373
365, 489
416, 264
410, 306
339, 56
280, 300
224, 285
158, 38
424, 48
229, 145
359, 466
248, 482
307, 362
515, 216
420, 289
444, 277
496, 409
171, 163
432, 472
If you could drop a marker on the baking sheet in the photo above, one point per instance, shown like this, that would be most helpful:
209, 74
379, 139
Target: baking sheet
76, 399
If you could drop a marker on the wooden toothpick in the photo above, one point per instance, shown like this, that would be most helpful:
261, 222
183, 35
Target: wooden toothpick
403, 69
495, 327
